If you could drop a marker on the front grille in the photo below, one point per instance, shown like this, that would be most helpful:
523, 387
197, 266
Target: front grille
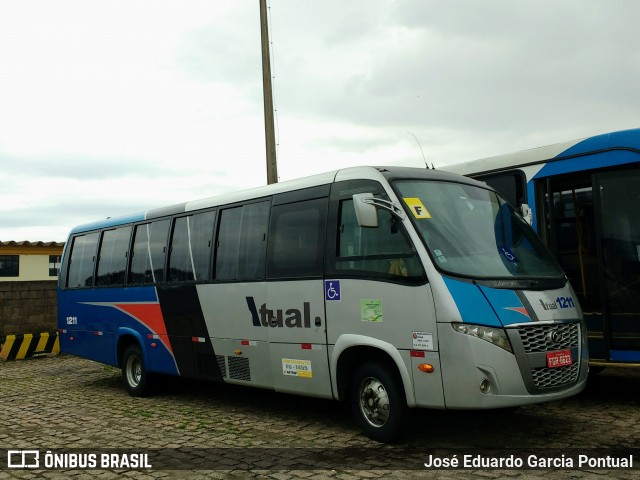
552, 377
532, 343
545, 338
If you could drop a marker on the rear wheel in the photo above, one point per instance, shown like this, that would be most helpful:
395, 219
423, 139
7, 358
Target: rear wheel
135, 377
378, 401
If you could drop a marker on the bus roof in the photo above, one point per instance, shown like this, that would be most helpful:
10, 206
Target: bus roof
622, 140
375, 173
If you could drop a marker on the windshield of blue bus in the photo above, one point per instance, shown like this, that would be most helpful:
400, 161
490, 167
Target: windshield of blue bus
473, 232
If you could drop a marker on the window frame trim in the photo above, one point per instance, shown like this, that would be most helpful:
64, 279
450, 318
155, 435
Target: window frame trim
322, 239
126, 267
216, 240
333, 238
172, 226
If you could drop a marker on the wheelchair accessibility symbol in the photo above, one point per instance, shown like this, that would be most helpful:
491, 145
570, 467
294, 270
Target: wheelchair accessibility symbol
332, 290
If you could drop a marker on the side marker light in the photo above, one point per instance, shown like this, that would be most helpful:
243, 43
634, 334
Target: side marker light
426, 368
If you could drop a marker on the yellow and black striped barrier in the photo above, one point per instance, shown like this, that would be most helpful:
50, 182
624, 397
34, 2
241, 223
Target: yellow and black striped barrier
18, 347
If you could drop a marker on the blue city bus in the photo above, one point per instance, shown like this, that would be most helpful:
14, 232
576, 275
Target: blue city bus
583, 198
389, 288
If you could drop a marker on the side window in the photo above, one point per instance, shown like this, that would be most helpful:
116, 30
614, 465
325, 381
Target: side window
296, 239
9, 265
83, 257
382, 251
149, 250
509, 185
241, 247
190, 257
112, 261
54, 265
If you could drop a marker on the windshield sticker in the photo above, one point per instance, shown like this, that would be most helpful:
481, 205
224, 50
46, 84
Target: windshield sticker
440, 256
371, 310
508, 254
297, 368
422, 341
417, 207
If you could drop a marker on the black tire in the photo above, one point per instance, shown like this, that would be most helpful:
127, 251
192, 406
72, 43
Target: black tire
134, 374
378, 401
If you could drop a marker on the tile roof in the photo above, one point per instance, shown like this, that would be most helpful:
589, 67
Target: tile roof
13, 243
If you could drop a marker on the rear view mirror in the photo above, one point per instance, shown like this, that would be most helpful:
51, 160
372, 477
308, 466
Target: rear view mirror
366, 212
526, 213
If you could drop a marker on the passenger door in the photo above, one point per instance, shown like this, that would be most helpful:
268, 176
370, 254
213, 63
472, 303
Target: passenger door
618, 200
593, 229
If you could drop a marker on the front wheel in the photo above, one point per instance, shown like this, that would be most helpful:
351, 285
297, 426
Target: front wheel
378, 401
135, 377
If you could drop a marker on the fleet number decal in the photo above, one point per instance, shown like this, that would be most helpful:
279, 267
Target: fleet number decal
560, 302
565, 302
297, 368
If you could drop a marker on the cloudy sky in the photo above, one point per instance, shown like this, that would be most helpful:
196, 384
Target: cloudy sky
112, 107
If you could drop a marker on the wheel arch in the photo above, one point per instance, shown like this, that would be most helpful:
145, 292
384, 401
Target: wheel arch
127, 337
352, 350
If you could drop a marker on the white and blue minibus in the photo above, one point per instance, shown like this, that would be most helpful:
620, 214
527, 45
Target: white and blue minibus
582, 197
390, 288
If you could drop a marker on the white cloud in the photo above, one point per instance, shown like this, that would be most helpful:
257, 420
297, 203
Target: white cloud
112, 107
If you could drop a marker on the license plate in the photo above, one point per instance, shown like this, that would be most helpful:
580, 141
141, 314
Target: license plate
559, 359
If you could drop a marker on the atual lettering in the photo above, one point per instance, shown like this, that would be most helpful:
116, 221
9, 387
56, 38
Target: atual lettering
281, 317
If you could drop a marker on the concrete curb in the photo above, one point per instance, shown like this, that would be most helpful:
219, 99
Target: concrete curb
19, 347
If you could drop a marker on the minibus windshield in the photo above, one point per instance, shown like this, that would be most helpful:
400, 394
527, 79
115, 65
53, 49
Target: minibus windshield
473, 232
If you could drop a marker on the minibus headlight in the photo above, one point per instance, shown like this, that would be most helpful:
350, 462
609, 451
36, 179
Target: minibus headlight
497, 336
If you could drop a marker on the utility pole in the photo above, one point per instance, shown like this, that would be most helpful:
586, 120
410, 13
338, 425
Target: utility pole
269, 130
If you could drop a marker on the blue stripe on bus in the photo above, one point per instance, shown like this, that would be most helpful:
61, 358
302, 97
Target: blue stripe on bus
624, 356
587, 162
607, 150
629, 139
531, 199
108, 222
472, 305
608, 156
507, 305
100, 314
119, 294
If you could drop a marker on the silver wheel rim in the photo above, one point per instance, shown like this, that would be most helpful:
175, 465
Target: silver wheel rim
374, 402
134, 371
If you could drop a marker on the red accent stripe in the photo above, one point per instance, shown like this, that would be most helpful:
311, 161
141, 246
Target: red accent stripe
149, 315
521, 310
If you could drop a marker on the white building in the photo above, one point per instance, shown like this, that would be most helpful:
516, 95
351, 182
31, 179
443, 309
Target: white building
29, 261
